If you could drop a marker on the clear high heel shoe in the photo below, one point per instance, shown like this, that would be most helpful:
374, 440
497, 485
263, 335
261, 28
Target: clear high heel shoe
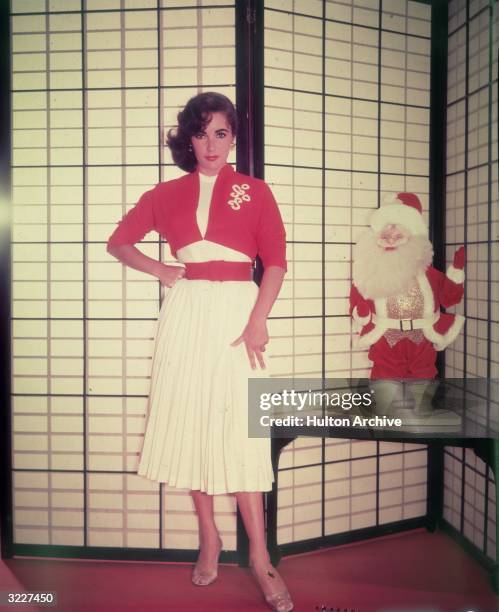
205, 577
279, 601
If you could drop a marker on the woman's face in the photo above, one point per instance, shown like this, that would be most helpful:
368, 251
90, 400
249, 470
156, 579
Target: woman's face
212, 146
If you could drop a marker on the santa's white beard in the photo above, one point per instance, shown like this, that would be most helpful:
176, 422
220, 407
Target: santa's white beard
378, 273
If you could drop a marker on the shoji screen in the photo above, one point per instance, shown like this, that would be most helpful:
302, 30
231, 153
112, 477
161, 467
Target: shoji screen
94, 82
346, 121
473, 220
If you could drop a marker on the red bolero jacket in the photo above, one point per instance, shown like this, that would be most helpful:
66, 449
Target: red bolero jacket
243, 216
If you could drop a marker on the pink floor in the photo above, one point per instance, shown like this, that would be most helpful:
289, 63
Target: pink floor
415, 571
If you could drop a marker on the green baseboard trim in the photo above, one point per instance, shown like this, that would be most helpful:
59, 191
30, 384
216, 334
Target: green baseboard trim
114, 553
349, 537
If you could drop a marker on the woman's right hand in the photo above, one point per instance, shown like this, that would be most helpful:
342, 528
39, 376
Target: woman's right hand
169, 275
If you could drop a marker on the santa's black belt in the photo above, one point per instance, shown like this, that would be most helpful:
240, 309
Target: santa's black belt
405, 324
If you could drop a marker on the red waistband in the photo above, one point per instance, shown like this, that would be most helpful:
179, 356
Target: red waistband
219, 271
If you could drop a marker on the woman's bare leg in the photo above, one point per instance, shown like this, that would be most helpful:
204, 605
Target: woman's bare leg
251, 509
210, 544
273, 587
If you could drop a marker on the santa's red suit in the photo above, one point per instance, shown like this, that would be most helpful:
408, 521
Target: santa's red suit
404, 331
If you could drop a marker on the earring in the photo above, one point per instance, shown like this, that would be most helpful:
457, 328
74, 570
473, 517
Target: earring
189, 148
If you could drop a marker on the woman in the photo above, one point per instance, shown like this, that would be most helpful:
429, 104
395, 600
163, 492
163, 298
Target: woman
212, 330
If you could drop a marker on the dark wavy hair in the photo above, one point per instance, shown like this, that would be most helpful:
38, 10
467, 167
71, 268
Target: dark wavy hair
193, 119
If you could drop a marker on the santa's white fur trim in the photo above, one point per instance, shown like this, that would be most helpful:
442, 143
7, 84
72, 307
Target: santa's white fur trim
441, 341
360, 320
456, 275
380, 305
375, 334
428, 297
370, 338
399, 213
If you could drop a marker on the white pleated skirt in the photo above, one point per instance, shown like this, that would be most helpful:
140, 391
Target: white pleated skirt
197, 421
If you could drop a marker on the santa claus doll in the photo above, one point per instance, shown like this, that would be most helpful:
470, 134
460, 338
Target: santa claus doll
396, 299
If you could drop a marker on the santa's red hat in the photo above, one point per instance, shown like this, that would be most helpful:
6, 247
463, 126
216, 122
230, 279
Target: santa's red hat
401, 209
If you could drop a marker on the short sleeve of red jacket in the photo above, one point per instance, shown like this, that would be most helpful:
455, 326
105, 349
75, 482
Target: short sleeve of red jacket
137, 222
271, 235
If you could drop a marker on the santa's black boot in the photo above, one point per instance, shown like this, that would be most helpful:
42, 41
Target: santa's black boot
387, 395
423, 392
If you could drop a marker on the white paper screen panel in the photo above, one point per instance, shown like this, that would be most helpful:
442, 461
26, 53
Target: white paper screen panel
346, 122
359, 484
472, 215
331, 158
469, 498
472, 219
94, 83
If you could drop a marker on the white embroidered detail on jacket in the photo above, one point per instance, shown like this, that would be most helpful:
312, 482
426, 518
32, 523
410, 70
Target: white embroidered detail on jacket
239, 196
